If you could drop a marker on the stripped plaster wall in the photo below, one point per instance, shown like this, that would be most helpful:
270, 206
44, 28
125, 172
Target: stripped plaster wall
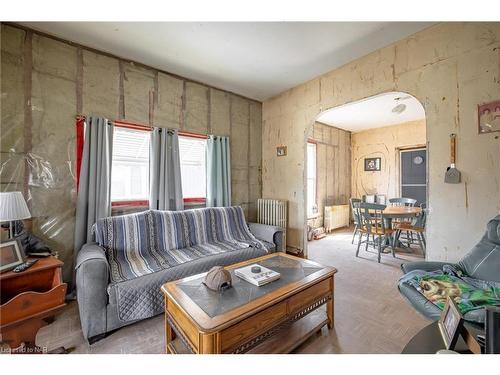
384, 143
46, 82
333, 166
450, 68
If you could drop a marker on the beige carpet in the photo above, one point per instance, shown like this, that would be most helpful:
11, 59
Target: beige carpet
370, 314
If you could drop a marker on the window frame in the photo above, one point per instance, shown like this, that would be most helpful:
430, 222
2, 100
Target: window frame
131, 202
194, 200
80, 141
309, 212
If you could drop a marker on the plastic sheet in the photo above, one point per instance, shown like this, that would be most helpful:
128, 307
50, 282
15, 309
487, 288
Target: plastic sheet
50, 192
40, 170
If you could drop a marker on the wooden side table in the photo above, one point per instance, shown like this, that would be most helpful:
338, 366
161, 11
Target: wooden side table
27, 299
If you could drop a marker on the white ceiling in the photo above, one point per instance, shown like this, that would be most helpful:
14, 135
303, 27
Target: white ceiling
253, 59
373, 112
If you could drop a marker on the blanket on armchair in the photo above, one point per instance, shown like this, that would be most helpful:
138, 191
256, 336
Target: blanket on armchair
469, 294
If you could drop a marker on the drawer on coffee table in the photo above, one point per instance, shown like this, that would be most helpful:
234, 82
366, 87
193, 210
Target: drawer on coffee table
305, 298
252, 326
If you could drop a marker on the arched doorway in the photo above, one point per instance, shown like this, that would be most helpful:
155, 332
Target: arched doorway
374, 148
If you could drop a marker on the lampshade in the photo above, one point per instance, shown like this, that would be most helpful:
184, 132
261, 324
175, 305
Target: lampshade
13, 206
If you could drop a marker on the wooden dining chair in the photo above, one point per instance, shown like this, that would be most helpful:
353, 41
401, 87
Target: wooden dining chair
380, 199
354, 218
408, 202
369, 198
372, 222
418, 228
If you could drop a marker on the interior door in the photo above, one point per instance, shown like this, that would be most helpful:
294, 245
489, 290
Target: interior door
414, 174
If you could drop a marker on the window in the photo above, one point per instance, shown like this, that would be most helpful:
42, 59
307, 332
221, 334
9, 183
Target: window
311, 178
130, 166
193, 168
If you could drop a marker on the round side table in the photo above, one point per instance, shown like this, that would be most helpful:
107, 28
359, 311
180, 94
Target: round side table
429, 341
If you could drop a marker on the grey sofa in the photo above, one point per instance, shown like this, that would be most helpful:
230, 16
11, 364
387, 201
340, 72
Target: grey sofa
482, 262
105, 305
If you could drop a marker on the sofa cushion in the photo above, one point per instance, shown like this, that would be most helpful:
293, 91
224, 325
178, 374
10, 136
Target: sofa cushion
270, 247
493, 230
171, 230
430, 310
126, 240
142, 298
181, 229
483, 261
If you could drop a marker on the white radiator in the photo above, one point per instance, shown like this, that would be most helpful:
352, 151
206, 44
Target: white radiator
336, 217
273, 212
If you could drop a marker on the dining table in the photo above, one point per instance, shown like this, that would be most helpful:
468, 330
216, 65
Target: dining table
398, 212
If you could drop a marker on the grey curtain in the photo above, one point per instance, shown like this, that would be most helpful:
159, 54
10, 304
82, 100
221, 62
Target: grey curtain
218, 171
165, 191
94, 190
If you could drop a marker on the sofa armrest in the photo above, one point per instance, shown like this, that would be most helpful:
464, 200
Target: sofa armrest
268, 233
424, 266
92, 279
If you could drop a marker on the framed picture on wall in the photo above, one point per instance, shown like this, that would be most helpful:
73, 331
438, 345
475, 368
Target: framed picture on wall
372, 164
489, 117
281, 151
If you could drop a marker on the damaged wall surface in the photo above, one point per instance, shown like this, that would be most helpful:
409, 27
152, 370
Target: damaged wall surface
383, 143
333, 166
450, 68
45, 83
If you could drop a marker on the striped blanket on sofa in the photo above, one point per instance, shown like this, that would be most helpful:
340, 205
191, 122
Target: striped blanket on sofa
150, 241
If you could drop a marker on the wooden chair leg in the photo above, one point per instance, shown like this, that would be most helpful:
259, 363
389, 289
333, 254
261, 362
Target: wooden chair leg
359, 242
393, 241
354, 234
379, 249
421, 243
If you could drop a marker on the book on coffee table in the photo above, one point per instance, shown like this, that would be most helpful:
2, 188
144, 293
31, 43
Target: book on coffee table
263, 277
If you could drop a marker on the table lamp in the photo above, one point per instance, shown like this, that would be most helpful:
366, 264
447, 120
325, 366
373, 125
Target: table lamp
13, 207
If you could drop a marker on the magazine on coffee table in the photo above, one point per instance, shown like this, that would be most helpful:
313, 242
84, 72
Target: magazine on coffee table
264, 276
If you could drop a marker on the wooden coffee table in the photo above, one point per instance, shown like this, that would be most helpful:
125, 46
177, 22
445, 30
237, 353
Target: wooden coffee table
273, 318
